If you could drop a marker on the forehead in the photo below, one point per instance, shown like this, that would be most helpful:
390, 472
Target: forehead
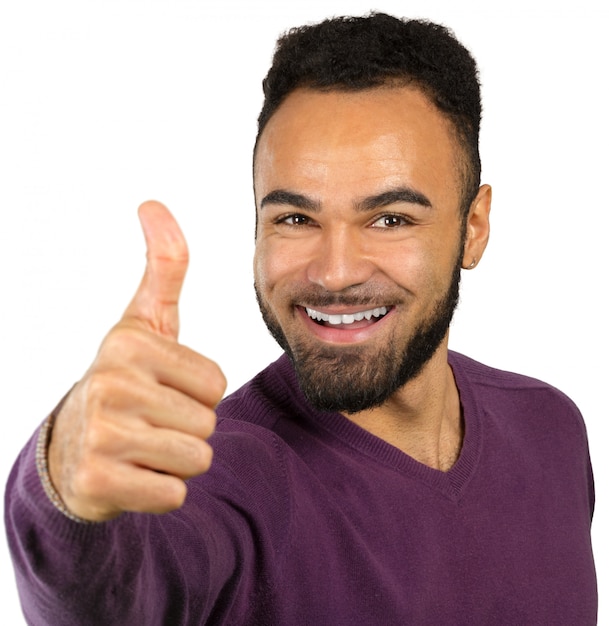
337, 141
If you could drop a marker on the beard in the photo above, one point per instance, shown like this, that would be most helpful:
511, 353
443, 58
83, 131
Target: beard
350, 379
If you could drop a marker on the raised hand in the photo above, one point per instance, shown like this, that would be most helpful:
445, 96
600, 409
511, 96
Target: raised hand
136, 425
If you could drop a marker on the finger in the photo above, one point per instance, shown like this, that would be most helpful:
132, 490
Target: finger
171, 364
192, 420
135, 404
108, 491
126, 442
155, 303
150, 492
168, 451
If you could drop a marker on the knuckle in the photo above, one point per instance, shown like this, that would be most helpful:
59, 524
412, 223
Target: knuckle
202, 422
125, 342
106, 384
96, 437
209, 456
176, 494
208, 424
170, 497
157, 493
195, 455
98, 386
204, 457
110, 387
86, 483
215, 381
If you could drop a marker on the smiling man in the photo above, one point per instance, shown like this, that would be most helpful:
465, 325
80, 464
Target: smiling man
359, 249
370, 475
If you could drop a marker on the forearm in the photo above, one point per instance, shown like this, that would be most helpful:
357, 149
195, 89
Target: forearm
137, 568
63, 567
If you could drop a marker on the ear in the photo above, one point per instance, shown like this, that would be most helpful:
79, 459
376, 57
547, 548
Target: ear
477, 229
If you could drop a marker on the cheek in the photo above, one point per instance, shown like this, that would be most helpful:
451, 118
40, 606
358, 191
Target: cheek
421, 266
260, 272
272, 263
408, 263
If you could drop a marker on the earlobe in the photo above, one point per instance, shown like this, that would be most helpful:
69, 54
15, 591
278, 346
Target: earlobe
477, 228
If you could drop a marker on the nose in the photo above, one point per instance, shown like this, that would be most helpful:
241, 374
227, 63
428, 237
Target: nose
340, 260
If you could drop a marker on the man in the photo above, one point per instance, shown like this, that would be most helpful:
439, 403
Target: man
369, 476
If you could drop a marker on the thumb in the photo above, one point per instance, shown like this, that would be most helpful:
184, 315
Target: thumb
155, 303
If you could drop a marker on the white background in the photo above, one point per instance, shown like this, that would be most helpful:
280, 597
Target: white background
106, 104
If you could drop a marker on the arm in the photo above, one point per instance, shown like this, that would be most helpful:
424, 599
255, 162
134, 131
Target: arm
125, 440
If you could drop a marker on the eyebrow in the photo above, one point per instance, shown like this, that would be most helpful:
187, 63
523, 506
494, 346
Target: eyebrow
289, 198
386, 198
392, 196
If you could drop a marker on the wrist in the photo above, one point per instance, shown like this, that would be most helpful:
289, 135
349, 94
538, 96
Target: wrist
42, 467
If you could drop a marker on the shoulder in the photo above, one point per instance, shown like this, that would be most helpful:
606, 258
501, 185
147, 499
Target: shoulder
532, 423
515, 398
505, 382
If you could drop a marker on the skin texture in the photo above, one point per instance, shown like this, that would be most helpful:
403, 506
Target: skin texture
326, 240
136, 425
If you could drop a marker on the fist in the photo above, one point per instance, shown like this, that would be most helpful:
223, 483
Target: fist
135, 427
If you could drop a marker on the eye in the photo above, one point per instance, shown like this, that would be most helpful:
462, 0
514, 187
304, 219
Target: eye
293, 219
391, 220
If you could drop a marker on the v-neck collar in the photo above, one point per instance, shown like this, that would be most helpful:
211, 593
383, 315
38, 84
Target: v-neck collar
451, 483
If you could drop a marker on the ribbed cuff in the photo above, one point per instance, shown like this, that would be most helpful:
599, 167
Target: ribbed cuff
42, 467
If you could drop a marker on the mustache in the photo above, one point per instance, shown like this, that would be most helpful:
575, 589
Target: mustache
366, 297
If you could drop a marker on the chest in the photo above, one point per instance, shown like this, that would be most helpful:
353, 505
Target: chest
506, 550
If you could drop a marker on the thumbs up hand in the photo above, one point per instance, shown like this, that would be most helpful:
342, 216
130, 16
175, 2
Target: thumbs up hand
136, 425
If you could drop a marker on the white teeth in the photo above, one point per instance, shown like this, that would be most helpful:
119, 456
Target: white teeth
335, 320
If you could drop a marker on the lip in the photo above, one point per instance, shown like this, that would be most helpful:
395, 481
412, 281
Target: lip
344, 334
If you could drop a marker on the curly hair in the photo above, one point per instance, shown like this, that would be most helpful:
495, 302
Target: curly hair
358, 53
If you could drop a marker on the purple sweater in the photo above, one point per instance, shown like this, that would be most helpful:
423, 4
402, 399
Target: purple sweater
304, 518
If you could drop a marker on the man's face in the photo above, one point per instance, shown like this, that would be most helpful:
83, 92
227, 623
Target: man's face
359, 239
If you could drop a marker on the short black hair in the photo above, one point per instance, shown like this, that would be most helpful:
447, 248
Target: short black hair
358, 53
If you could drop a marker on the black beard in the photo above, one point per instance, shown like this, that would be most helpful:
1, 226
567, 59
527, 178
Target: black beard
349, 380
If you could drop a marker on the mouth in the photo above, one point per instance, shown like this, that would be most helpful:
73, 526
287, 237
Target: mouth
347, 319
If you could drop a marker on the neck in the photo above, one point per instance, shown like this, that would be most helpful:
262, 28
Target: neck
423, 418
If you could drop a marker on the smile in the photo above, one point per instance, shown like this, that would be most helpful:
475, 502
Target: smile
349, 318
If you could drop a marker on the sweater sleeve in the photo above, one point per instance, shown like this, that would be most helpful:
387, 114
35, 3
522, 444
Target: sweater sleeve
195, 564
73, 573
